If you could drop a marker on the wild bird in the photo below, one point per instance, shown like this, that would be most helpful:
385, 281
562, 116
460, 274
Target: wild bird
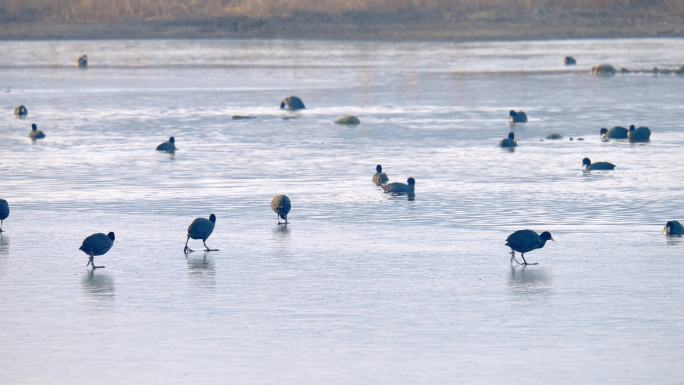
35, 133
292, 103
673, 229
200, 228
169, 146
616, 132
517, 116
281, 206
380, 178
524, 241
97, 244
21, 111
4, 212
399, 188
598, 166
639, 135
82, 61
508, 142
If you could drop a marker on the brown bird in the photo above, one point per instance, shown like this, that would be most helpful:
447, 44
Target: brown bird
380, 178
281, 206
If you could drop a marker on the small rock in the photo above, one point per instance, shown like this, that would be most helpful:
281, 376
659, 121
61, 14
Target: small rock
349, 120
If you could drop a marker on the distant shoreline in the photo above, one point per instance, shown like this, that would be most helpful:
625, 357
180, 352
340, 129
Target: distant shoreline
351, 30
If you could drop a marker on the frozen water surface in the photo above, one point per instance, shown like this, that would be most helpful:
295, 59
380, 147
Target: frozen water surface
361, 287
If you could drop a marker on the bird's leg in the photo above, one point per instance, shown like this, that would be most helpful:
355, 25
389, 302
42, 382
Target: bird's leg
91, 261
513, 258
525, 262
206, 248
187, 249
278, 219
0, 226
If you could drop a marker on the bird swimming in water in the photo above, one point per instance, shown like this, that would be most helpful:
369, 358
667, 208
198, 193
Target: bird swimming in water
639, 135
292, 103
281, 206
508, 142
517, 116
169, 146
200, 228
379, 178
616, 132
588, 166
399, 188
524, 241
36, 133
82, 61
673, 229
4, 211
97, 244
21, 111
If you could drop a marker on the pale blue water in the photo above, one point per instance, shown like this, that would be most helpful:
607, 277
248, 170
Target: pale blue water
362, 287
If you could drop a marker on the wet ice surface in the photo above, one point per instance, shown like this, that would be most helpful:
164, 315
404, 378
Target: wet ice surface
361, 287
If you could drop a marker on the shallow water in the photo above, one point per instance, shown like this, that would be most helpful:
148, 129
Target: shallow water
361, 287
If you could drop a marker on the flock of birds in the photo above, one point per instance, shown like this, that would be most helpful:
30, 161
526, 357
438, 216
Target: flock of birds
522, 241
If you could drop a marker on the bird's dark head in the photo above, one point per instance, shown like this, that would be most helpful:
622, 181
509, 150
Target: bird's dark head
411, 181
282, 104
586, 162
378, 169
172, 140
511, 113
34, 127
212, 218
631, 127
111, 236
546, 236
511, 135
604, 131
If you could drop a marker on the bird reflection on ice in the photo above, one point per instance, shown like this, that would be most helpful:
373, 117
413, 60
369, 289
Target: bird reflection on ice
98, 285
529, 279
202, 269
4, 244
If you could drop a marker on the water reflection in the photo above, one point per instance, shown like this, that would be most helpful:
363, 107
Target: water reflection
4, 250
671, 240
203, 269
409, 196
98, 285
529, 279
4, 244
282, 230
281, 235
